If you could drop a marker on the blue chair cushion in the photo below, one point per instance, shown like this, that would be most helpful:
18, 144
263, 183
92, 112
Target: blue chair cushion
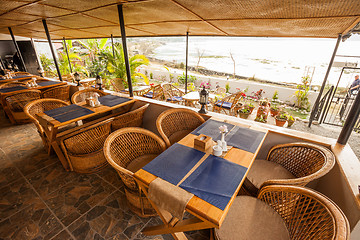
226, 105
175, 98
149, 95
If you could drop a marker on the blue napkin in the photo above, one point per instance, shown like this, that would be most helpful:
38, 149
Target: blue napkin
174, 163
112, 100
12, 89
21, 76
215, 181
64, 114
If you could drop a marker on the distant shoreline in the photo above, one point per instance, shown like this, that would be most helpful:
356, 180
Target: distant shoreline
208, 72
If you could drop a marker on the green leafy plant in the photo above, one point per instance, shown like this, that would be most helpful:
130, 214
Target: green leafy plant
227, 87
274, 107
290, 118
46, 63
116, 65
260, 119
275, 96
282, 116
244, 110
151, 75
302, 94
190, 79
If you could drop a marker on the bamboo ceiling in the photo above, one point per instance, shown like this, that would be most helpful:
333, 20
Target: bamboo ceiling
99, 18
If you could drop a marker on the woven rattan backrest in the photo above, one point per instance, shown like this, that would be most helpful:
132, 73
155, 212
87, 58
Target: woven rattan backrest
177, 120
157, 92
88, 140
42, 105
170, 90
12, 84
133, 118
126, 144
80, 96
118, 84
17, 101
22, 73
60, 92
302, 159
307, 214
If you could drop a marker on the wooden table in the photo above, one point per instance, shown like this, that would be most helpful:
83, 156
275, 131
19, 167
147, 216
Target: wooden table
192, 97
16, 79
51, 126
206, 214
138, 90
4, 95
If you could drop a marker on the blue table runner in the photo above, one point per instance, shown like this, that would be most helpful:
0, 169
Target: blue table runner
47, 83
215, 180
174, 163
112, 100
244, 138
12, 89
64, 114
21, 76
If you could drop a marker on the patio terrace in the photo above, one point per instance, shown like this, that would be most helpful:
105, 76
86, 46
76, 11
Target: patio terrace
40, 200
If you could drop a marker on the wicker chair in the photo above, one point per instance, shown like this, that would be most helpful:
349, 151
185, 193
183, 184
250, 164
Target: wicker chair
12, 84
80, 96
174, 124
21, 73
127, 150
172, 94
60, 92
289, 164
155, 92
130, 119
118, 84
284, 212
227, 103
39, 106
84, 148
15, 103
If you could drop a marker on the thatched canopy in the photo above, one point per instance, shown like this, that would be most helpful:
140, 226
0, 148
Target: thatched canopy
99, 18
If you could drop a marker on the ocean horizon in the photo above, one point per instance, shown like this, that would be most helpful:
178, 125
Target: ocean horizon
274, 59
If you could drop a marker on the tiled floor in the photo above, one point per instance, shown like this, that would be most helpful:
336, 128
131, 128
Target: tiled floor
40, 200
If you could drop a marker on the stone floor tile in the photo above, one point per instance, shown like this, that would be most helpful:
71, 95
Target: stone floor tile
63, 235
110, 175
32, 222
106, 220
78, 197
16, 196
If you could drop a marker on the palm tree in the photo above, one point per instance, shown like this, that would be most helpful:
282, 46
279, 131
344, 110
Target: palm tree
116, 65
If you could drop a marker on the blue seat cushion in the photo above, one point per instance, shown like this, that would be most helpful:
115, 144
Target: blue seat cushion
226, 105
149, 95
175, 98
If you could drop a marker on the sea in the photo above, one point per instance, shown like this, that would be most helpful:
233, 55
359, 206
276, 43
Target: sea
284, 60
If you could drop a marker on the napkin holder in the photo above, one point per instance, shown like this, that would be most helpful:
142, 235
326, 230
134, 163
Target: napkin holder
90, 101
202, 142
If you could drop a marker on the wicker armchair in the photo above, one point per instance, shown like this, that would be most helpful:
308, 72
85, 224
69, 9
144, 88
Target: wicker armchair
174, 124
172, 93
118, 84
39, 106
80, 96
227, 103
84, 148
284, 212
127, 150
12, 84
133, 118
15, 103
60, 92
155, 92
289, 164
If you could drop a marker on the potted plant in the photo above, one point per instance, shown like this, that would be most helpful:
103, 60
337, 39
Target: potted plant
281, 119
250, 106
274, 110
244, 112
290, 120
260, 119
263, 110
238, 106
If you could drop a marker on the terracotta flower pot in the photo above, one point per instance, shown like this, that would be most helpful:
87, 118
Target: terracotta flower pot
290, 123
251, 109
280, 122
244, 115
274, 112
